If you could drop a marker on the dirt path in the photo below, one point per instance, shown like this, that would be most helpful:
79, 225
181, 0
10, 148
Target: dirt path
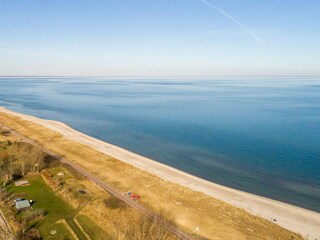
4, 225
107, 187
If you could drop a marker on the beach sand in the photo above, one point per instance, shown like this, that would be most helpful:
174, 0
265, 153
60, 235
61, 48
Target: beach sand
295, 219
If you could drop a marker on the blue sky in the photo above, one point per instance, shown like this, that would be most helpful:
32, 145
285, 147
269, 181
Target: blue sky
160, 37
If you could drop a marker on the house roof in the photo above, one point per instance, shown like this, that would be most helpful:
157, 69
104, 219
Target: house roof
23, 182
22, 204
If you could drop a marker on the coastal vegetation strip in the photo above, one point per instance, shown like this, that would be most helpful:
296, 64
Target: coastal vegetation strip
197, 212
57, 197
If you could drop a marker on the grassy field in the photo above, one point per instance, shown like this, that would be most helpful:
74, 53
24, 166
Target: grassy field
62, 233
45, 199
91, 228
55, 202
215, 219
101, 215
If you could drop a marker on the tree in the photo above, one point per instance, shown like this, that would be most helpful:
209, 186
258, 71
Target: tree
37, 158
6, 167
23, 161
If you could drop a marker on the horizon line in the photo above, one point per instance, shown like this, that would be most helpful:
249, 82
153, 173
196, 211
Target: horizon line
164, 76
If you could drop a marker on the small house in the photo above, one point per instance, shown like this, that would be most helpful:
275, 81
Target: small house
23, 205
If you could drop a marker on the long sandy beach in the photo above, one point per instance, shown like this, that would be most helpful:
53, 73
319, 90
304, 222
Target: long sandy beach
293, 218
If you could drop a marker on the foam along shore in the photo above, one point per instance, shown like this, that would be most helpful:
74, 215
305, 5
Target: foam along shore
293, 218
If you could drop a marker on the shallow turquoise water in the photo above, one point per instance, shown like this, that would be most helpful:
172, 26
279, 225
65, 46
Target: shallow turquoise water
259, 135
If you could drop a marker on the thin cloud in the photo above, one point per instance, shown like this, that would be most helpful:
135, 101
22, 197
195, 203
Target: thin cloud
227, 15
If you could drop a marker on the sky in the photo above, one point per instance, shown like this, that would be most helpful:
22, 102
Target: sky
159, 37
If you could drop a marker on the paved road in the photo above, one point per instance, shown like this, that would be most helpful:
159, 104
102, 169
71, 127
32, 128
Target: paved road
107, 187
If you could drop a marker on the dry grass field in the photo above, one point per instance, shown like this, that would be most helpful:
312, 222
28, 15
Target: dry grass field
213, 218
96, 207
79, 209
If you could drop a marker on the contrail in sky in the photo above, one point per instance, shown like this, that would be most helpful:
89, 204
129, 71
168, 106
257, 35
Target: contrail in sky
224, 13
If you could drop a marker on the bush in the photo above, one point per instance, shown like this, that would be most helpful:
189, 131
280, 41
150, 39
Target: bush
5, 132
3, 194
17, 195
6, 144
35, 214
32, 234
113, 202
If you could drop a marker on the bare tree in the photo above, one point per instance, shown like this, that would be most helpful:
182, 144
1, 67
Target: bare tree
37, 158
23, 161
6, 168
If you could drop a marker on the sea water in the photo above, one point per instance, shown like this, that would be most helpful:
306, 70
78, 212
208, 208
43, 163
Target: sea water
260, 135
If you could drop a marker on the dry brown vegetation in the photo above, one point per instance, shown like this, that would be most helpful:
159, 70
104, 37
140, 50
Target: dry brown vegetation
117, 219
19, 158
126, 223
215, 219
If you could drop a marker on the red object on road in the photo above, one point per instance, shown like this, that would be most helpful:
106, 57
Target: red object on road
135, 197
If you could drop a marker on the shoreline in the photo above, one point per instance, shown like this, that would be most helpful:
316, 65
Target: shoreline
296, 219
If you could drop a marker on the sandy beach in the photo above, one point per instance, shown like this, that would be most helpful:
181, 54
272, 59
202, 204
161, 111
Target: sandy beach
293, 218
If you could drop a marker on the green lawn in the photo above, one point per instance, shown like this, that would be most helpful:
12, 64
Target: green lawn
62, 233
75, 228
45, 199
67, 175
54, 171
94, 231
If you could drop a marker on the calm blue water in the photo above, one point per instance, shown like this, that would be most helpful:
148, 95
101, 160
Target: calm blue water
258, 135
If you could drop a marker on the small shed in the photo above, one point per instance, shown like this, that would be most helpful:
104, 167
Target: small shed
23, 205
20, 183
